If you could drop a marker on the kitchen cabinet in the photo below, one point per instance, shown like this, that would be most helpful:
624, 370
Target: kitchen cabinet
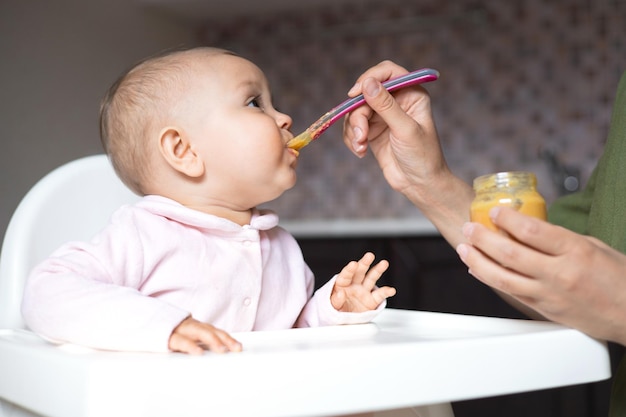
428, 276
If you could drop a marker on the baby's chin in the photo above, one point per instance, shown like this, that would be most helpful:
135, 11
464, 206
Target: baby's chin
290, 185
295, 180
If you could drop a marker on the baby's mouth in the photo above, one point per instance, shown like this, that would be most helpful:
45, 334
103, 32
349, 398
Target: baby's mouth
293, 151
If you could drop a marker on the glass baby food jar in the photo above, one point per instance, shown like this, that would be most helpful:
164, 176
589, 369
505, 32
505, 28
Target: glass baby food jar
513, 189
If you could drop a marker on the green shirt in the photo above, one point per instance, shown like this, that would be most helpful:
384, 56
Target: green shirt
599, 210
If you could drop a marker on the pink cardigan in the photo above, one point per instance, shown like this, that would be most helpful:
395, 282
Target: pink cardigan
158, 262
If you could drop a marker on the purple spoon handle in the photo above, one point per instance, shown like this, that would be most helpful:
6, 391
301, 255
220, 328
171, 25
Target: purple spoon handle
416, 77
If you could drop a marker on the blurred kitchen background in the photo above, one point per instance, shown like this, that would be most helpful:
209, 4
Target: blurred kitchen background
525, 85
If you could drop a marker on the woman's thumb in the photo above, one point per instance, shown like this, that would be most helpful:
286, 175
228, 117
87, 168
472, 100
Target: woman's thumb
378, 98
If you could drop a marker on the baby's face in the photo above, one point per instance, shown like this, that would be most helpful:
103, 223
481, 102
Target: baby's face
240, 136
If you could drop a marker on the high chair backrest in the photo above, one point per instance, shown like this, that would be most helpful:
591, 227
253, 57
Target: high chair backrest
72, 202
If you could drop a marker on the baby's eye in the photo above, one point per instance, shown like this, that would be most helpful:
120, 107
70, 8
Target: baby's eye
255, 102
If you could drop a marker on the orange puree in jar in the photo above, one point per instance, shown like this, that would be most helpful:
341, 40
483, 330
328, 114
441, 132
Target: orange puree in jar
512, 189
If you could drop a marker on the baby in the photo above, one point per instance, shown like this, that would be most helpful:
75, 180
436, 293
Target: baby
195, 133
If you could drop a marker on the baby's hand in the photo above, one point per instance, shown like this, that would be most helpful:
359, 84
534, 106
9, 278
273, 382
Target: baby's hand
355, 287
192, 336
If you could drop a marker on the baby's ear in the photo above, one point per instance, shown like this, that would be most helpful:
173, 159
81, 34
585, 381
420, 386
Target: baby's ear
177, 151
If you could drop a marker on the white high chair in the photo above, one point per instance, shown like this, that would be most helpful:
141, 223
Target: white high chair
72, 202
404, 359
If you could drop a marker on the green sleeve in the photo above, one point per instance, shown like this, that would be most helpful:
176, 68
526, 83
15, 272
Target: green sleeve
572, 211
599, 210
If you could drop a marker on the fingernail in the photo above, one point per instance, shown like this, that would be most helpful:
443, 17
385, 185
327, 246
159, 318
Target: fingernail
358, 132
359, 150
493, 213
371, 87
468, 228
462, 251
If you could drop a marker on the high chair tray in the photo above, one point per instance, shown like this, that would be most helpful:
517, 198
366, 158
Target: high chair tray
402, 359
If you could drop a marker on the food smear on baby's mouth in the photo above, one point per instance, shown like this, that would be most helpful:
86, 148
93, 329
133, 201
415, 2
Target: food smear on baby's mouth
298, 142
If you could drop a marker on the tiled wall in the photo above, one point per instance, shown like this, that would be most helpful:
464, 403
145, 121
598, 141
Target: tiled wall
517, 77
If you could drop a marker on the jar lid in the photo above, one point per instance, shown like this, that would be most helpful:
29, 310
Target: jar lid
506, 179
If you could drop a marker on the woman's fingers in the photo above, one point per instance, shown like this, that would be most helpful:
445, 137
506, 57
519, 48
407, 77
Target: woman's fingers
496, 275
535, 233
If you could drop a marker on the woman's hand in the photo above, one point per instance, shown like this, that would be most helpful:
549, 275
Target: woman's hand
400, 132
571, 279
398, 129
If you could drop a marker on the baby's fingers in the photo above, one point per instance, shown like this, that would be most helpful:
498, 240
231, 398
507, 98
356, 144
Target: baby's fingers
357, 271
192, 336
181, 343
219, 341
381, 294
363, 265
374, 274
345, 277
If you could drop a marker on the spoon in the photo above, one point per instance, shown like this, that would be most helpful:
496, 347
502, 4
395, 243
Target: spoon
316, 129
